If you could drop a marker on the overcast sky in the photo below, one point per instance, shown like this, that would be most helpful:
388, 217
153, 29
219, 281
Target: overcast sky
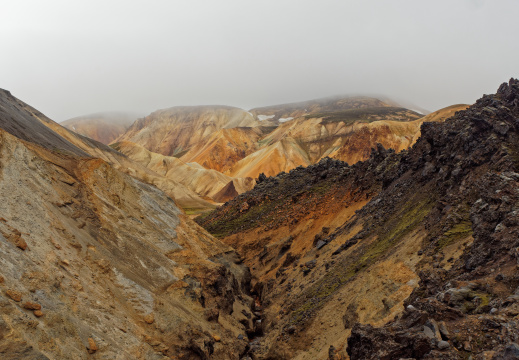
69, 58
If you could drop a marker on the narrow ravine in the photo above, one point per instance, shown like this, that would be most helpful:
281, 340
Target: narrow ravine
256, 335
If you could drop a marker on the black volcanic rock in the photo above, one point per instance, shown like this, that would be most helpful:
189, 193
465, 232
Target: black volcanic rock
469, 165
20, 120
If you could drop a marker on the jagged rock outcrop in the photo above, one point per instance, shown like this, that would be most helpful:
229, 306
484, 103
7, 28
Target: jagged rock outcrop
384, 249
473, 161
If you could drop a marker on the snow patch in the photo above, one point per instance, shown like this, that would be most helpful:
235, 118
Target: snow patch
265, 117
285, 119
418, 111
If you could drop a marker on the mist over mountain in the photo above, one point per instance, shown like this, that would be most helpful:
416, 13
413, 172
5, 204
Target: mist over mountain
283, 180
102, 127
100, 56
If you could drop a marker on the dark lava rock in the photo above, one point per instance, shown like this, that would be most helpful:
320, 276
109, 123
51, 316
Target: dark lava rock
367, 343
510, 352
443, 345
261, 178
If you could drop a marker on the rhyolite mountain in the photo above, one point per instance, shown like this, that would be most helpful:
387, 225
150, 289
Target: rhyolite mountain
221, 150
409, 254
174, 131
270, 140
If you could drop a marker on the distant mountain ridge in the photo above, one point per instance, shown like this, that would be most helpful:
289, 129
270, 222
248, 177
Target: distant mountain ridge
243, 144
104, 127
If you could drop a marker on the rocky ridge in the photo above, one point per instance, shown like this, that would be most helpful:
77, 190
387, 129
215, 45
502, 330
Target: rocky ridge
414, 251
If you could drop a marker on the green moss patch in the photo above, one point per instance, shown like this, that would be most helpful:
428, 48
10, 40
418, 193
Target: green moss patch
458, 232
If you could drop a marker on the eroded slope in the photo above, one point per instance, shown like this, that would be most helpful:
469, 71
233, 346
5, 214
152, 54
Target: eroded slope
205, 182
226, 147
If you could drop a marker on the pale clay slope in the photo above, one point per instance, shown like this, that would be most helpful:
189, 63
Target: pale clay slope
205, 182
104, 251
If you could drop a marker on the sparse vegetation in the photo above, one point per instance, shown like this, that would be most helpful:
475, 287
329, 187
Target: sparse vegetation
513, 152
459, 231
